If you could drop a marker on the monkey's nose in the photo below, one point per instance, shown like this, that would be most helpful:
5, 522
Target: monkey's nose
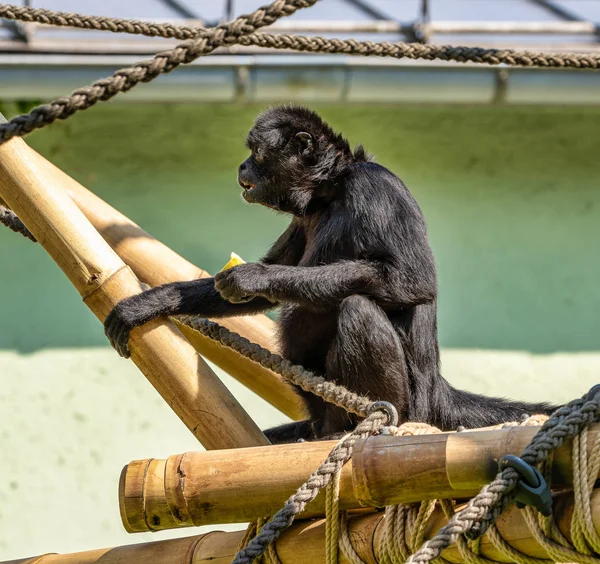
242, 167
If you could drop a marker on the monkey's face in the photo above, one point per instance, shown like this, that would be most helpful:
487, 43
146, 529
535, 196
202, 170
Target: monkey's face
296, 161
277, 173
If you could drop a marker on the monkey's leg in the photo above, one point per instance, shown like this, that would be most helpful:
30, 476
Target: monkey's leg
366, 357
291, 432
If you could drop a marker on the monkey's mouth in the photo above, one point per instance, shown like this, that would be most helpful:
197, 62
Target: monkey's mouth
245, 185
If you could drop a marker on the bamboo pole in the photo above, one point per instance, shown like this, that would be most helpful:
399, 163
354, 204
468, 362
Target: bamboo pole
159, 350
304, 542
201, 488
155, 264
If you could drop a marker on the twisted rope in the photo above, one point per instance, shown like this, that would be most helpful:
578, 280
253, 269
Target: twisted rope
270, 556
98, 23
10, 219
585, 471
293, 373
202, 41
319, 479
481, 511
346, 547
332, 520
317, 44
404, 526
429, 52
399, 50
125, 79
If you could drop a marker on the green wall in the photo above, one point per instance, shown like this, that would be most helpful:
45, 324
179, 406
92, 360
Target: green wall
510, 194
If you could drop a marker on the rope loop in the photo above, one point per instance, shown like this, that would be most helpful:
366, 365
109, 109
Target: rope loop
388, 409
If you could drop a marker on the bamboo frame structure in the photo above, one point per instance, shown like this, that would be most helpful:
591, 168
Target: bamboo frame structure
201, 488
159, 350
305, 541
154, 263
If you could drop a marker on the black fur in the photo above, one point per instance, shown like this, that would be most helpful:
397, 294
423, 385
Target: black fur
353, 273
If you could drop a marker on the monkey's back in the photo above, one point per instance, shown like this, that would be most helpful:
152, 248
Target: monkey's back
374, 218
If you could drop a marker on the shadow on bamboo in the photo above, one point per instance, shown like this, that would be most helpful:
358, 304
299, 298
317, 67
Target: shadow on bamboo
184, 380
155, 264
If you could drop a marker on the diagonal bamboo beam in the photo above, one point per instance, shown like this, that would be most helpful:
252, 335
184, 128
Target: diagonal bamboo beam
160, 351
304, 542
154, 263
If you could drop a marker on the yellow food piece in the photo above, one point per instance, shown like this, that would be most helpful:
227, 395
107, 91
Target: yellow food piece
234, 260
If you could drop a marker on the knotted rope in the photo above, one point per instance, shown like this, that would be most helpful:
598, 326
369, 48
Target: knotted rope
404, 526
481, 511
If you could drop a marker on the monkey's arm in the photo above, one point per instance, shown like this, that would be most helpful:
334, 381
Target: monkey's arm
198, 297
326, 285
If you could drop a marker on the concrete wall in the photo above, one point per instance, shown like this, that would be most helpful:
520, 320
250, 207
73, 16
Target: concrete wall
513, 208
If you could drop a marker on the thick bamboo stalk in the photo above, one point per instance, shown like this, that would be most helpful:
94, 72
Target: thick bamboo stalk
154, 263
165, 357
200, 488
304, 542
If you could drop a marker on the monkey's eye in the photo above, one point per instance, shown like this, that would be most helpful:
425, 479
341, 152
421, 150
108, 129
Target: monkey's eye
257, 151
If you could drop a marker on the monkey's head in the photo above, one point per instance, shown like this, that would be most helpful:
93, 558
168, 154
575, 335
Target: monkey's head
296, 161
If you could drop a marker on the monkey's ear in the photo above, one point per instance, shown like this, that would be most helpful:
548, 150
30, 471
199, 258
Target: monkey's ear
306, 141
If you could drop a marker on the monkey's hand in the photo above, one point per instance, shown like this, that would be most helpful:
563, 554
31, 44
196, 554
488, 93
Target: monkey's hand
242, 283
118, 325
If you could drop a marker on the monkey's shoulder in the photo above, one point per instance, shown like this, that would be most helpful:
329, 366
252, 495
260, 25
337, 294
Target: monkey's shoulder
371, 189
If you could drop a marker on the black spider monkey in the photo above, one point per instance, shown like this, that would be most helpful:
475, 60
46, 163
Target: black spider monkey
353, 273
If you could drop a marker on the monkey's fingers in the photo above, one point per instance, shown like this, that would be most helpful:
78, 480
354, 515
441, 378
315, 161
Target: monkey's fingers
232, 295
226, 285
223, 281
239, 299
117, 333
120, 339
122, 344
